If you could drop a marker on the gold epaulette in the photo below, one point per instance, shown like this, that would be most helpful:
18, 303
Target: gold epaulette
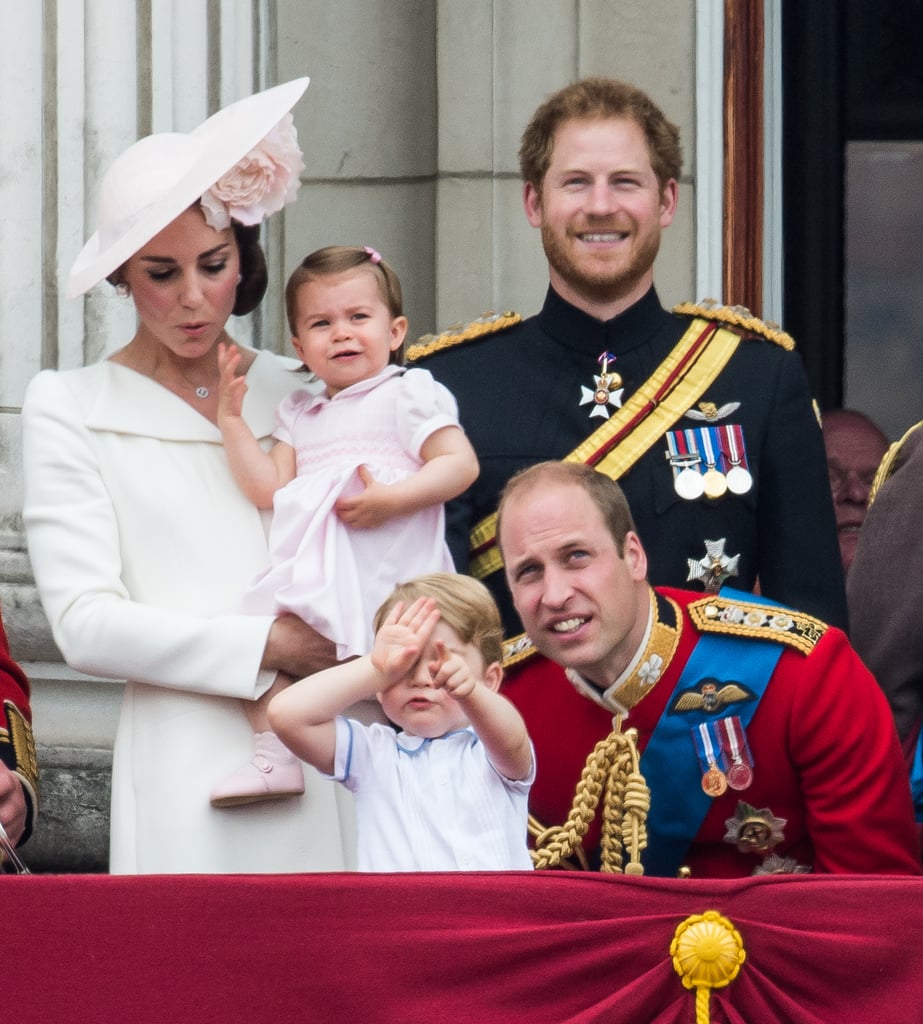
889, 463
19, 735
737, 316
486, 323
718, 614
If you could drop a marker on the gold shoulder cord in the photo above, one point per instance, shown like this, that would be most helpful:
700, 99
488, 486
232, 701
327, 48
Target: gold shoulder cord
611, 773
739, 317
486, 323
889, 463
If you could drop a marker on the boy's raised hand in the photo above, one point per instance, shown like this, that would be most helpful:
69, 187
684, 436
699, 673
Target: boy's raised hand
402, 637
451, 672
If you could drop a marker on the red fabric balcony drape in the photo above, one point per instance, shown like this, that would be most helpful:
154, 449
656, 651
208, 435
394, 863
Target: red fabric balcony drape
483, 948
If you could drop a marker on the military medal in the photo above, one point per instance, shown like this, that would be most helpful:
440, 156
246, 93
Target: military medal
714, 781
754, 831
687, 480
688, 484
608, 389
739, 776
712, 570
739, 478
714, 482
773, 864
734, 744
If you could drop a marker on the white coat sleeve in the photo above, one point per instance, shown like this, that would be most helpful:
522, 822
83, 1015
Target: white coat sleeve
73, 540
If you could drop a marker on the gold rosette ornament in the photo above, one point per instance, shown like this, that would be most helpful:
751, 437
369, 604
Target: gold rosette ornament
707, 953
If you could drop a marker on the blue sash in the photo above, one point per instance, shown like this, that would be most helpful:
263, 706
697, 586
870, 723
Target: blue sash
916, 778
670, 763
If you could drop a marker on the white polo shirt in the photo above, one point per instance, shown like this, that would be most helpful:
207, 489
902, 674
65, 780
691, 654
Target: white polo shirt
431, 805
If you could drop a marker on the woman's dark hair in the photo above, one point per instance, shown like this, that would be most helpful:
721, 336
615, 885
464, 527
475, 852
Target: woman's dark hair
253, 274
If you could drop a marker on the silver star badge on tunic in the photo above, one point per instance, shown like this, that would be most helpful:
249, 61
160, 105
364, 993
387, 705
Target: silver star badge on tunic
712, 570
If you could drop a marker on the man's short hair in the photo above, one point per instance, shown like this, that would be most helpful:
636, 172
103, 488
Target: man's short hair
593, 99
604, 492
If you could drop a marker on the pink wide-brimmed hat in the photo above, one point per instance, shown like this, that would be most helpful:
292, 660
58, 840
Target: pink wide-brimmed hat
243, 163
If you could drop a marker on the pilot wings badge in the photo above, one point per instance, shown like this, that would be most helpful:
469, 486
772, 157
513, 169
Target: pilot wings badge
708, 412
711, 697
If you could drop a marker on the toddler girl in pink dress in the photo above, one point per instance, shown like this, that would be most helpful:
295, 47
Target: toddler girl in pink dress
358, 477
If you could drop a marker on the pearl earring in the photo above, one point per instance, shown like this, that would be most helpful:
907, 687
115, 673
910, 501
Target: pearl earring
122, 290
240, 278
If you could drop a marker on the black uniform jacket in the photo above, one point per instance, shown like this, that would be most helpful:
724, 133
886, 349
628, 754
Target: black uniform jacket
519, 392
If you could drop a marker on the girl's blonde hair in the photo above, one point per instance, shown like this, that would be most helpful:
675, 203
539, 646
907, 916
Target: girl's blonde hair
335, 259
464, 604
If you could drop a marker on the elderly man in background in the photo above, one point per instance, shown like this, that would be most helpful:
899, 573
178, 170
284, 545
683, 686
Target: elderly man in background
855, 447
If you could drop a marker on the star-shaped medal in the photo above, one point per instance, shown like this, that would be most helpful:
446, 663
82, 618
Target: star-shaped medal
754, 831
607, 391
712, 570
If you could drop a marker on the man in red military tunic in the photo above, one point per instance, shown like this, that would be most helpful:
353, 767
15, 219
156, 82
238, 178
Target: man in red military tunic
767, 745
18, 769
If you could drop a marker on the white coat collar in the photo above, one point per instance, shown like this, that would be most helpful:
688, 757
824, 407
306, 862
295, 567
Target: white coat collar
128, 402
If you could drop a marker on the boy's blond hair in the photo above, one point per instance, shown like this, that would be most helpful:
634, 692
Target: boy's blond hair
464, 604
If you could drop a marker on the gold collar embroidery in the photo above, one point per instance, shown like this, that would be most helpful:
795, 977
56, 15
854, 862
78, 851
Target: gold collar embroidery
645, 669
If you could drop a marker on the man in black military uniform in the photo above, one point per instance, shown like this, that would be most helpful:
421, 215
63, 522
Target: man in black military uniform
703, 413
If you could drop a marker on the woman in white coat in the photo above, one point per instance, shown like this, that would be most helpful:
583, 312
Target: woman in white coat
139, 538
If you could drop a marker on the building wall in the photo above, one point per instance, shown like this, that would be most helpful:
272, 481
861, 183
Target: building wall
410, 130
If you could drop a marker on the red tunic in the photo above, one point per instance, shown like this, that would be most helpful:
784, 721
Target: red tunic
17, 748
825, 751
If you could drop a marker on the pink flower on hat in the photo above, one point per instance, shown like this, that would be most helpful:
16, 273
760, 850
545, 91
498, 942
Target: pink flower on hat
259, 184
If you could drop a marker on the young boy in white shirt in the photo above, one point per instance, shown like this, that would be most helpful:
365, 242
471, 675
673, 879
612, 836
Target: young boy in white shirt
450, 791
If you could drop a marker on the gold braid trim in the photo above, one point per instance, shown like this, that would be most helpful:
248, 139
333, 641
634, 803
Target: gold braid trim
737, 316
731, 617
889, 463
486, 323
20, 735
611, 770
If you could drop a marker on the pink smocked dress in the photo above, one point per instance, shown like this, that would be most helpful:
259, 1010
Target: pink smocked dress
333, 576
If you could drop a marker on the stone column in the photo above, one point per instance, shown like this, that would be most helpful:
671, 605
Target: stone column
497, 60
